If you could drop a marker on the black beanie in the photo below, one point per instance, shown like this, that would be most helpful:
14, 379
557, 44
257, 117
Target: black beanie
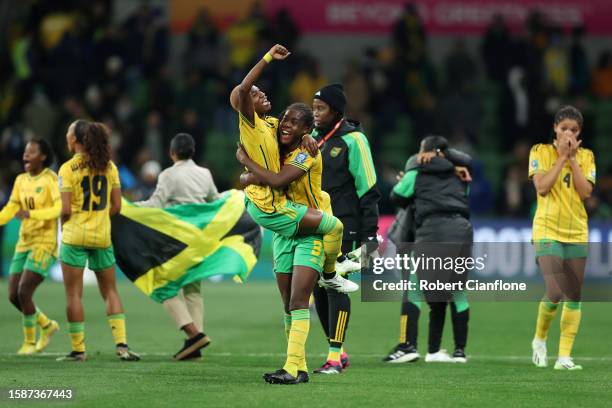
333, 95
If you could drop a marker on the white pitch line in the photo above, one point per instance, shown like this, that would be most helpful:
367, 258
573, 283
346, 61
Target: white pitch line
476, 357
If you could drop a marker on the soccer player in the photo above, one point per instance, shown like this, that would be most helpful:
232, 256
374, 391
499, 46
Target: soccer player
90, 194
299, 260
185, 183
564, 175
35, 200
350, 179
269, 207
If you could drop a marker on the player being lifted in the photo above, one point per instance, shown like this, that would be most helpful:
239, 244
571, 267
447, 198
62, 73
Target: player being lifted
563, 174
269, 207
35, 200
90, 193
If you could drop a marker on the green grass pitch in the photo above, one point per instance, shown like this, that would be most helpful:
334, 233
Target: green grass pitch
245, 324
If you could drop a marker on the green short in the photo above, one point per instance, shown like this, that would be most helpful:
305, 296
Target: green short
284, 221
97, 258
299, 251
36, 260
549, 247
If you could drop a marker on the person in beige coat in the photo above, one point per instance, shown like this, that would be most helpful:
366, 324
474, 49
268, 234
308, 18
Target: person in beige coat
185, 183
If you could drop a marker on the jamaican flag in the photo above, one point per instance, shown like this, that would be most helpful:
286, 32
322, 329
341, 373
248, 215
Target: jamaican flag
162, 250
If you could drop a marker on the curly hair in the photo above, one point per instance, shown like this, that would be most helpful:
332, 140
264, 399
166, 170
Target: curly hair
97, 146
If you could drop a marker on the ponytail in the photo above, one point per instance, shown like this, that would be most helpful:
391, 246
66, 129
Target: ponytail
96, 145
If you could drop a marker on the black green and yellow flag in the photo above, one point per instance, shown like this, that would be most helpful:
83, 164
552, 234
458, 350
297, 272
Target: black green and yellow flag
162, 250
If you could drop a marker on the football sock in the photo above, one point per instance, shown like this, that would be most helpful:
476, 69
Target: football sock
334, 354
546, 313
77, 336
437, 314
339, 314
29, 328
322, 305
331, 228
570, 322
409, 322
460, 314
117, 325
296, 347
42, 319
287, 325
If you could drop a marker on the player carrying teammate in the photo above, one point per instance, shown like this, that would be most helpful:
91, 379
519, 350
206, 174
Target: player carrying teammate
563, 174
35, 200
298, 260
90, 193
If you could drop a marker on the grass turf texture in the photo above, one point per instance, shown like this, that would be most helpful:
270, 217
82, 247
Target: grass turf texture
245, 324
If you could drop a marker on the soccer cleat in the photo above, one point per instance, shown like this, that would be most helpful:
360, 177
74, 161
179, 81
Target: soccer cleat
26, 349
281, 377
566, 363
402, 353
73, 356
45, 335
439, 357
302, 377
125, 354
330, 367
539, 357
344, 360
197, 342
339, 284
459, 356
347, 266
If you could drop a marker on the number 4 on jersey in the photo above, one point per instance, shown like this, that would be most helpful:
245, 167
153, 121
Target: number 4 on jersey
567, 179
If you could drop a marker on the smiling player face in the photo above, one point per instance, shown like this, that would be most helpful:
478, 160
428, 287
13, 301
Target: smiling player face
261, 104
292, 127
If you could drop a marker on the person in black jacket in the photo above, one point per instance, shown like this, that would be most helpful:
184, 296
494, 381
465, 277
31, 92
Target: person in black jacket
350, 180
435, 188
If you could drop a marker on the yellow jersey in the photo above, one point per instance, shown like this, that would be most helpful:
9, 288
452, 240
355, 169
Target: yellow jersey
306, 190
260, 143
89, 224
40, 196
560, 214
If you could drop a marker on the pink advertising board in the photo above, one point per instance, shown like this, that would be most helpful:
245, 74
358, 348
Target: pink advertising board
441, 16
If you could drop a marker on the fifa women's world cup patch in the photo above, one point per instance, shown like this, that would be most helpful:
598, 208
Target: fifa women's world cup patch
534, 164
301, 157
335, 151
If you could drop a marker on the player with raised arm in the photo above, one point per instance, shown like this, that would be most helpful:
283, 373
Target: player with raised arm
91, 194
563, 174
35, 200
269, 207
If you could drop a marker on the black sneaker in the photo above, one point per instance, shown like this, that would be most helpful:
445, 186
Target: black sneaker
197, 342
459, 356
196, 355
73, 356
280, 377
302, 377
402, 353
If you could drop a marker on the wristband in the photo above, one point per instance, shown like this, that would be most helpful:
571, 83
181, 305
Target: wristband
268, 58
